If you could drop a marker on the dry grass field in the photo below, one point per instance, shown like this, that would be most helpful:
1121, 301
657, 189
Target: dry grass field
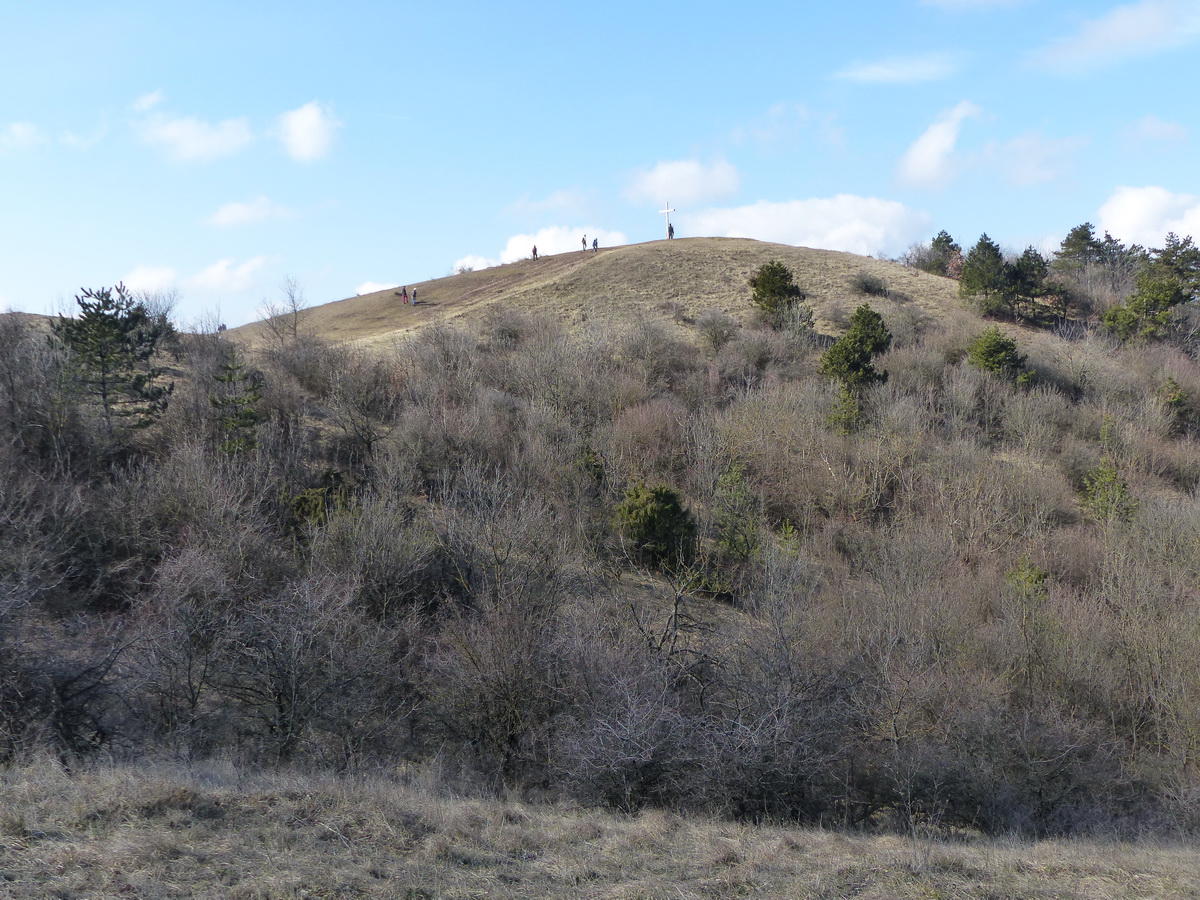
212, 832
669, 281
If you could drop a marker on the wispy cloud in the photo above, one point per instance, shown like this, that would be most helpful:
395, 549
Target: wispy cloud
1030, 159
549, 241
188, 139
1136, 29
257, 210
19, 135
226, 275
151, 278
1145, 215
307, 132
683, 181
1152, 129
930, 162
845, 222
902, 69
370, 287
84, 142
147, 102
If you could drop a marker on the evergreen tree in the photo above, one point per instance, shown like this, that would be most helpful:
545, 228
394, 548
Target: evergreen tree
1079, 247
1024, 282
1147, 312
941, 256
944, 244
236, 403
658, 524
112, 344
994, 351
850, 358
1180, 258
983, 274
775, 290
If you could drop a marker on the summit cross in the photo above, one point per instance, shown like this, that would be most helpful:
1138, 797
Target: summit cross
666, 210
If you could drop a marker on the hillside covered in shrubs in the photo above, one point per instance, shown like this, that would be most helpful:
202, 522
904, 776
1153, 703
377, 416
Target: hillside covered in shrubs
915, 569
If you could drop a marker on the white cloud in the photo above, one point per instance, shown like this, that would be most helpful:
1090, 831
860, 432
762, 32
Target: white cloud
257, 210
147, 102
683, 181
471, 262
549, 241
1152, 128
1145, 215
370, 287
226, 276
1032, 159
19, 135
307, 132
846, 222
188, 139
1133, 30
930, 161
150, 278
902, 69
84, 142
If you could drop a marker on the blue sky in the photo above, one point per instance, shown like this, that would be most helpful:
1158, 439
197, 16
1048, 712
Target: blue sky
219, 148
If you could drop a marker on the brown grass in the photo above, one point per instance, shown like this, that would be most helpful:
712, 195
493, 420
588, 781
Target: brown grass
216, 832
669, 281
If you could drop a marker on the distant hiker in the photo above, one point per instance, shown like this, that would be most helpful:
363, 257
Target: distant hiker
414, 297
584, 242
404, 294
670, 232
535, 251
595, 244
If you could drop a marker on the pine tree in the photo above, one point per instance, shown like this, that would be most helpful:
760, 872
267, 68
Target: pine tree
112, 345
983, 274
1147, 312
1180, 258
849, 358
994, 351
775, 290
236, 404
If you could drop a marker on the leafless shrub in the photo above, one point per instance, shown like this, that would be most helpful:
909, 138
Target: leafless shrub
492, 683
304, 673
716, 328
659, 359
646, 441
364, 399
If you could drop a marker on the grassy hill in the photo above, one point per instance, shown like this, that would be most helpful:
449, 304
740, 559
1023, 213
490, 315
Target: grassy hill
574, 550
662, 280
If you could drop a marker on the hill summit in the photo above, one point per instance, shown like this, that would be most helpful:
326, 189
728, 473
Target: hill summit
667, 280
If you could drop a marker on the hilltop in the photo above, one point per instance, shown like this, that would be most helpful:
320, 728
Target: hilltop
666, 281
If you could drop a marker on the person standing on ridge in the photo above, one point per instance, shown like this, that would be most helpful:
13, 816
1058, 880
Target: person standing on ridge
670, 232
584, 242
404, 295
595, 244
535, 251
414, 297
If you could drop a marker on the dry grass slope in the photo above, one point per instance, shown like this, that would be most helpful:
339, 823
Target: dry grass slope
670, 281
215, 833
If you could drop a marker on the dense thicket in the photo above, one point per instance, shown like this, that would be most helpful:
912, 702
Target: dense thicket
977, 608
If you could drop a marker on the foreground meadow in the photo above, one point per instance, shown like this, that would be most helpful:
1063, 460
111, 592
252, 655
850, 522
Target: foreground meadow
213, 831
